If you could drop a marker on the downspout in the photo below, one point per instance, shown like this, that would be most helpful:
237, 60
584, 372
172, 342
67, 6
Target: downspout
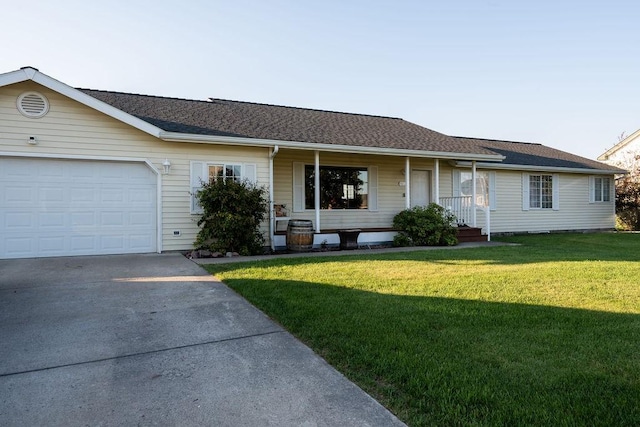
272, 226
407, 188
316, 195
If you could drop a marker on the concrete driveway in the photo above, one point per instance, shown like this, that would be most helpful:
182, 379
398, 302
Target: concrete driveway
155, 340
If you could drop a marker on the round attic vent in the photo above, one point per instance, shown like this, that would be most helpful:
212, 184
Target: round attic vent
33, 105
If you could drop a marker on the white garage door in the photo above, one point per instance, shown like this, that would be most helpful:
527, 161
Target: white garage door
73, 207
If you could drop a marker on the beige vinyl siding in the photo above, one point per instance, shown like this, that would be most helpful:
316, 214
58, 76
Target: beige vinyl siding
575, 212
72, 129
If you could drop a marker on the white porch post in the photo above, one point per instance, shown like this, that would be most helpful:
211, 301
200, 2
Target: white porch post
407, 182
473, 192
316, 195
436, 181
272, 225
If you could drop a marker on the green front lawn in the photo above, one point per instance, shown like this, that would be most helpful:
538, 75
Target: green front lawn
546, 333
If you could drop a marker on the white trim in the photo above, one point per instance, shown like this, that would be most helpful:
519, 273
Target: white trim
272, 225
592, 189
555, 192
32, 74
407, 183
316, 190
525, 192
605, 156
335, 148
503, 166
150, 165
474, 192
436, 179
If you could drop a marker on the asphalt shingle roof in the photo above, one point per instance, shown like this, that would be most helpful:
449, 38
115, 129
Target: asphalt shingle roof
218, 117
530, 154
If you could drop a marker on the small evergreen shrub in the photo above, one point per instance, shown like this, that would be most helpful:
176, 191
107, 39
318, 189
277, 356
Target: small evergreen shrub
232, 215
425, 226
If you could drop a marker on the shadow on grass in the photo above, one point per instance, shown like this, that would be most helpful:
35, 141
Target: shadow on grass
439, 361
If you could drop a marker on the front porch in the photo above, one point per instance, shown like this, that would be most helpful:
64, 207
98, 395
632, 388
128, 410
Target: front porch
372, 237
384, 186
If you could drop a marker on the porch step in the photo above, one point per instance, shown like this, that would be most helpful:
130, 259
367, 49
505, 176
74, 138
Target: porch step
471, 234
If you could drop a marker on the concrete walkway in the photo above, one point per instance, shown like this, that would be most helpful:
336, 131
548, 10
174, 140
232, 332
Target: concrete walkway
155, 340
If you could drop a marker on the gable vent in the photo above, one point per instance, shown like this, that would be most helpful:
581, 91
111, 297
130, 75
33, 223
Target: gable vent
33, 105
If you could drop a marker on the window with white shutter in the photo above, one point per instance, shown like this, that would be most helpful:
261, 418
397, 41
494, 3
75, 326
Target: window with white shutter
207, 171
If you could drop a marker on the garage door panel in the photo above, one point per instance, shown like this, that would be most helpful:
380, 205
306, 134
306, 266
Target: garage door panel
82, 244
17, 220
80, 196
83, 219
52, 245
67, 207
18, 195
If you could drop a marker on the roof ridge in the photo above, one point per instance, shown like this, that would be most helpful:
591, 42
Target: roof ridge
307, 109
210, 100
500, 140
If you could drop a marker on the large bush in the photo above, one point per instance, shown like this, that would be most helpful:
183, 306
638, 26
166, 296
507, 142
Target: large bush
232, 215
628, 202
425, 226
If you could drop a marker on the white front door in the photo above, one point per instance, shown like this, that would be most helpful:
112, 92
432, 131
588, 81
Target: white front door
420, 188
73, 207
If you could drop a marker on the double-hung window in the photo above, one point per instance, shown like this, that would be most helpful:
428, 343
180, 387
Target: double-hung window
209, 171
540, 191
600, 189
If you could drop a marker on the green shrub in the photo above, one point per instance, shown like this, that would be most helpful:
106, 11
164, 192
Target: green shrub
628, 203
425, 226
232, 215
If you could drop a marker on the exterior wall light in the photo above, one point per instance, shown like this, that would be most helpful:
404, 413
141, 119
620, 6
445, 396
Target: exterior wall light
167, 166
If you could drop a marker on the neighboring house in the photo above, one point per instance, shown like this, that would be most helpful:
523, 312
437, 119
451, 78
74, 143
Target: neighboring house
93, 172
625, 154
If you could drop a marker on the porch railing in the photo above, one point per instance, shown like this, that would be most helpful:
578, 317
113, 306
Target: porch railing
463, 209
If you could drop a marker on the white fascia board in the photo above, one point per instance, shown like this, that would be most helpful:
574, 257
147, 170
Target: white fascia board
16, 76
32, 74
619, 145
255, 142
534, 168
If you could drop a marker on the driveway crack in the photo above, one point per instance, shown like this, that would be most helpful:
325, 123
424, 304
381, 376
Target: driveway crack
142, 353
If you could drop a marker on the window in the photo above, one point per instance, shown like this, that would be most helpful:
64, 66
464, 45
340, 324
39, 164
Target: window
485, 186
600, 190
340, 187
540, 191
226, 171
208, 171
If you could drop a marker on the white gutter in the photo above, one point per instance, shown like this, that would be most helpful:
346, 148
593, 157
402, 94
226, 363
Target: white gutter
336, 148
504, 166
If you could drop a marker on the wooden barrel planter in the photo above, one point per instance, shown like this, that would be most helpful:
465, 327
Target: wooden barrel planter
300, 235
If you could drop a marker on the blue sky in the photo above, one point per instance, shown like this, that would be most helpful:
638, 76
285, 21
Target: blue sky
562, 73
